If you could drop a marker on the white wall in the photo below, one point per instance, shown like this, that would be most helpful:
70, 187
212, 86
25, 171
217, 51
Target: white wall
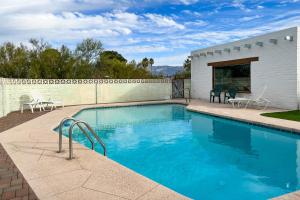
142, 91
276, 68
13, 92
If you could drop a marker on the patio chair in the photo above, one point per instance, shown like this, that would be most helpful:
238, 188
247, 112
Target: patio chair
229, 94
46, 102
56, 103
258, 101
216, 92
32, 104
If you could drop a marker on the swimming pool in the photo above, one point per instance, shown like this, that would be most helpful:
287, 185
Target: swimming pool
198, 155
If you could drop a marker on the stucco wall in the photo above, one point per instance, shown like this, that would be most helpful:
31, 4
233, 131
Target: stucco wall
75, 92
124, 92
276, 68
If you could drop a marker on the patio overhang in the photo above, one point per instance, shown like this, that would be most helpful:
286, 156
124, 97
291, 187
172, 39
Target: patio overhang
233, 62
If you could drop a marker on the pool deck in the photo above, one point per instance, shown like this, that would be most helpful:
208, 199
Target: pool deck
32, 146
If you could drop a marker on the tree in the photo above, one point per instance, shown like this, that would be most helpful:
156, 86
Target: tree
187, 64
87, 61
39, 45
50, 63
145, 62
67, 63
89, 50
111, 55
151, 62
187, 70
13, 60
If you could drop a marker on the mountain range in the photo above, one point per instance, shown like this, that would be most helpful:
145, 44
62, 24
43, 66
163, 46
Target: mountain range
166, 70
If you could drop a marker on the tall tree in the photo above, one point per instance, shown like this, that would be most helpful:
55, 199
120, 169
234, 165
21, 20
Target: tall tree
151, 62
187, 64
51, 66
145, 62
89, 50
112, 55
87, 61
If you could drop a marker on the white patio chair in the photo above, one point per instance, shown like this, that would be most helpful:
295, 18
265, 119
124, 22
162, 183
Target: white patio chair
258, 101
32, 104
57, 103
47, 102
238, 101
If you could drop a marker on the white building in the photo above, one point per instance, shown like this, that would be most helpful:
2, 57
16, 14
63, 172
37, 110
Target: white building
270, 61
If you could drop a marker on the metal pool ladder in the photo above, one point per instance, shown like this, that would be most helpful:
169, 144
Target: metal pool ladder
79, 124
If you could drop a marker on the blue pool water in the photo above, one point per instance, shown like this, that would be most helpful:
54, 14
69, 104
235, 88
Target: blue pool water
200, 156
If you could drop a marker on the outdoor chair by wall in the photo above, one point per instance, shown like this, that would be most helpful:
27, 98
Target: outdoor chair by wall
32, 104
47, 102
216, 92
39, 101
229, 94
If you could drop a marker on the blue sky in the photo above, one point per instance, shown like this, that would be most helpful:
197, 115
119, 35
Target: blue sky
166, 30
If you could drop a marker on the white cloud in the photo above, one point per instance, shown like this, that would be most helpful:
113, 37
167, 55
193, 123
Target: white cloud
240, 4
140, 49
68, 25
196, 23
249, 18
260, 7
188, 2
55, 6
163, 21
192, 13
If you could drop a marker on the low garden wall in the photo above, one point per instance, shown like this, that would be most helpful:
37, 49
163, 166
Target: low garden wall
14, 92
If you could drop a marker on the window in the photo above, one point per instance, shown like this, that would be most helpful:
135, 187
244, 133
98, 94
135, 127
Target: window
237, 76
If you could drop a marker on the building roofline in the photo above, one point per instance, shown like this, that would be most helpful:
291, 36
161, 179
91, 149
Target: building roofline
244, 40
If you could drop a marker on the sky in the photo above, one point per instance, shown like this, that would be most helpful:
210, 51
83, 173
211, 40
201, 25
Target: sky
166, 30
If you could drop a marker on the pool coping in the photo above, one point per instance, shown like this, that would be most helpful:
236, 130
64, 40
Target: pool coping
250, 122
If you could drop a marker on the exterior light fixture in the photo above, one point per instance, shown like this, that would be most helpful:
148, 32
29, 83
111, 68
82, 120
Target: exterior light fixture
237, 48
289, 38
227, 50
261, 44
248, 46
218, 51
210, 53
273, 41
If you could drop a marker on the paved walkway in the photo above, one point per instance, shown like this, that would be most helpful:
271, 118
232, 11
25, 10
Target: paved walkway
12, 183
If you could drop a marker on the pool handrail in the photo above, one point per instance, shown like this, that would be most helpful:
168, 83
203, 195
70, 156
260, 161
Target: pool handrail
60, 131
70, 132
77, 122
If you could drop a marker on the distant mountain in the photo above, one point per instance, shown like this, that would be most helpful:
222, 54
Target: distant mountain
166, 70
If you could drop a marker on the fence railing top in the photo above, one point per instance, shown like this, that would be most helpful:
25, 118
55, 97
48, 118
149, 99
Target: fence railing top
13, 81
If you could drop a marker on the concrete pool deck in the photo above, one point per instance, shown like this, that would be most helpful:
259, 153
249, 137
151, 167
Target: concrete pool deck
33, 145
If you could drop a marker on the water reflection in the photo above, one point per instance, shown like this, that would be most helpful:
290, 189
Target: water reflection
269, 155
